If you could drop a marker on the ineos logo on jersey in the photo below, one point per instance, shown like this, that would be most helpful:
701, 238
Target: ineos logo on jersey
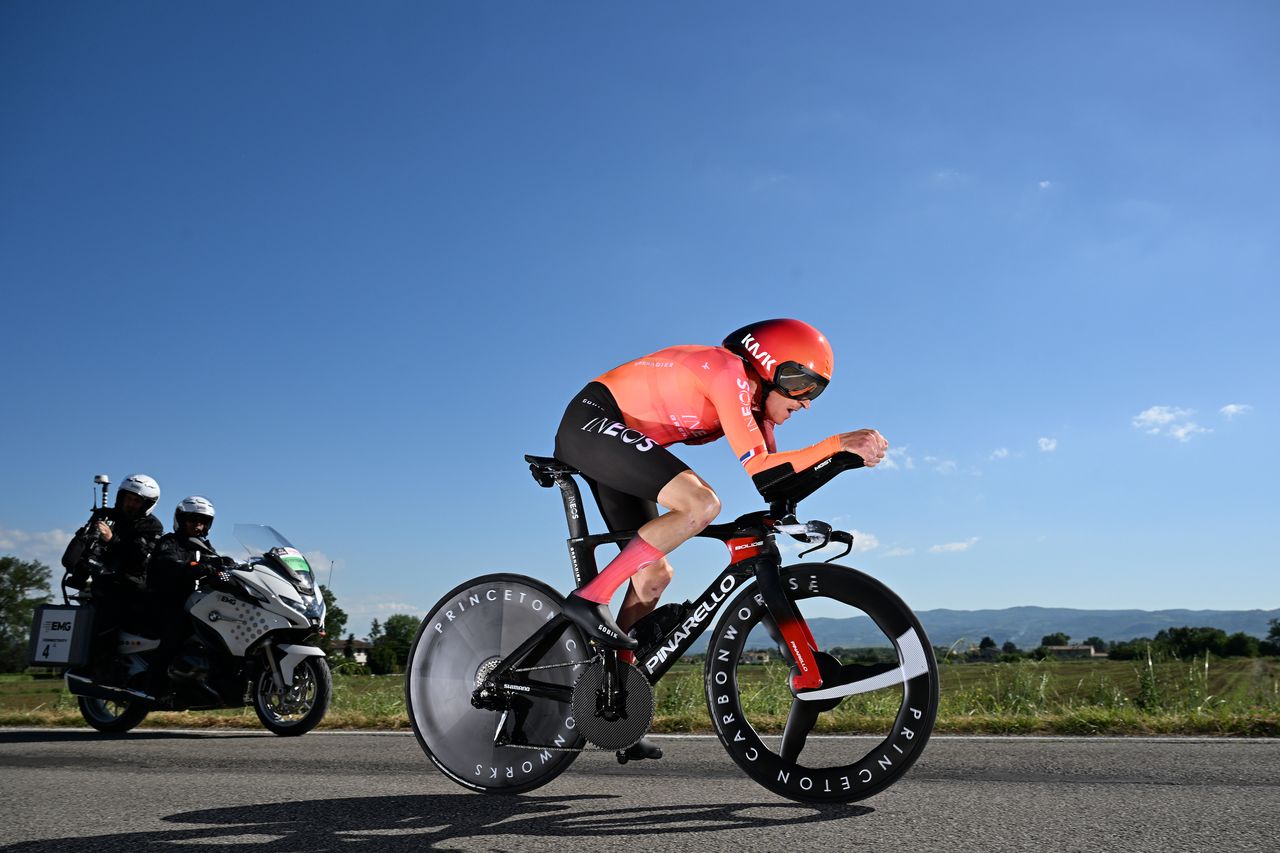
752, 346
607, 426
744, 397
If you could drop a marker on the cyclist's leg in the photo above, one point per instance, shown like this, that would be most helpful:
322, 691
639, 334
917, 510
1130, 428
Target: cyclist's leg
691, 505
622, 511
594, 439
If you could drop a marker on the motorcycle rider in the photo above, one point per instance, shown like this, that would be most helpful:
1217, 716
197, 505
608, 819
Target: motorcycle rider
115, 549
179, 560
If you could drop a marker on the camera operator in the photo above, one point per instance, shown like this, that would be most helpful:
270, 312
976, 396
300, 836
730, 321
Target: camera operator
113, 549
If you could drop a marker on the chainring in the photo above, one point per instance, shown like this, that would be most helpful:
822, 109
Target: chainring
618, 727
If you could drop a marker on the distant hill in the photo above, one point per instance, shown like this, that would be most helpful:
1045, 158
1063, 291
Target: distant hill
1025, 626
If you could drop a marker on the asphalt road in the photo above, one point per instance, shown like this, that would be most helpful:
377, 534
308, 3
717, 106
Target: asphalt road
73, 790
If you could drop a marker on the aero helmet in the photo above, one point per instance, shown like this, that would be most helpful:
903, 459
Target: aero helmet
194, 505
791, 356
142, 486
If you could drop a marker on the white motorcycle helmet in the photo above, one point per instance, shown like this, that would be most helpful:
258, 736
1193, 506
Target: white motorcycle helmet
142, 486
193, 505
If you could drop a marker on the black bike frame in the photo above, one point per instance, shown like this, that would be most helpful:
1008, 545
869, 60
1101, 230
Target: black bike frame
753, 552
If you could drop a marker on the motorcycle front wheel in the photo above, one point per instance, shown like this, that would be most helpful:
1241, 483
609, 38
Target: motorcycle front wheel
111, 717
298, 708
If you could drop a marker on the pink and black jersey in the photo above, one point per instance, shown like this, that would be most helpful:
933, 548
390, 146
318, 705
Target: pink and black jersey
696, 394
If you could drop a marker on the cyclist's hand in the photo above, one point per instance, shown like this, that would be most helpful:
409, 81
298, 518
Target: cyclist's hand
104, 531
867, 443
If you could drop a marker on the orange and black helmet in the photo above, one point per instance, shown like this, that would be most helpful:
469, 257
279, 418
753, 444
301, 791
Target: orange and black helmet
791, 356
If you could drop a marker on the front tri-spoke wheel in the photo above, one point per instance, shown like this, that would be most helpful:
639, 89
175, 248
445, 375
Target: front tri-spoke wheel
522, 737
863, 727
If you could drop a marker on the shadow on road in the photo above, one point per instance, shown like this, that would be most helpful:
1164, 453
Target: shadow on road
78, 735
414, 823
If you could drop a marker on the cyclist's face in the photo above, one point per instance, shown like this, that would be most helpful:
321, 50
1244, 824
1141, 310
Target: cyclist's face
778, 407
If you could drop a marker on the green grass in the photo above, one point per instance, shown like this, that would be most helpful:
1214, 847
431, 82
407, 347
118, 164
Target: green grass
1213, 697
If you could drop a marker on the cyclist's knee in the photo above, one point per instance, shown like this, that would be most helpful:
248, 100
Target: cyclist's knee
705, 508
689, 495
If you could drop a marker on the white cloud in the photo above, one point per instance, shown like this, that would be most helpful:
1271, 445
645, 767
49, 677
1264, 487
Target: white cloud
864, 541
899, 552
1232, 409
1169, 420
954, 547
1183, 432
1046, 185
950, 179
942, 466
1000, 453
323, 565
1048, 445
45, 546
1156, 417
897, 457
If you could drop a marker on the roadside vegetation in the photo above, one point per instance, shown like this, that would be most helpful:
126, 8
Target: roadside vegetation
1190, 681
1156, 696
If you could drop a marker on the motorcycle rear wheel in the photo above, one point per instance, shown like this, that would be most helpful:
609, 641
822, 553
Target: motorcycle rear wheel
302, 706
111, 717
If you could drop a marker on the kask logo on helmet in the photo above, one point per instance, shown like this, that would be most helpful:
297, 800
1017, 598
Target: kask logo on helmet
751, 345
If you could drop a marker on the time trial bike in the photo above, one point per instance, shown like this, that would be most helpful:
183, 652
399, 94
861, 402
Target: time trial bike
504, 692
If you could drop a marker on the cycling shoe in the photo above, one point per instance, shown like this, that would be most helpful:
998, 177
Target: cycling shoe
597, 623
640, 750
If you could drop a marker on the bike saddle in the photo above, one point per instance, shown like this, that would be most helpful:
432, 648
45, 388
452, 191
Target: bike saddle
545, 469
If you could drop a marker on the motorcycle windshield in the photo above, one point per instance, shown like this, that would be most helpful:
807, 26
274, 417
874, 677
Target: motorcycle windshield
260, 539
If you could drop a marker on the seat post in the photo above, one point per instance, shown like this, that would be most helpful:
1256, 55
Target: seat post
572, 498
582, 555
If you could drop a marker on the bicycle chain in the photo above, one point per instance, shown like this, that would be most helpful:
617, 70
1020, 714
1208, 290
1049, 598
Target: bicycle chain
556, 665
589, 747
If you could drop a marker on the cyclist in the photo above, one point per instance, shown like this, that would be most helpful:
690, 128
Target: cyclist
617, 429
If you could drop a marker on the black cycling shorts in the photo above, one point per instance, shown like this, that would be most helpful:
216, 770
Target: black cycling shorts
624, 467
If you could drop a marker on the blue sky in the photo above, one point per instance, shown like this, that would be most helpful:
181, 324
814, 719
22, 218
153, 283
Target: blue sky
339, 266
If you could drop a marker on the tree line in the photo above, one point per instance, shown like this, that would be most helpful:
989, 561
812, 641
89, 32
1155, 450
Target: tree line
24, 585
1181, 643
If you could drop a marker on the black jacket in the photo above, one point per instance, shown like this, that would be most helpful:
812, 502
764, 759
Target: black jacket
175, 567
124, 559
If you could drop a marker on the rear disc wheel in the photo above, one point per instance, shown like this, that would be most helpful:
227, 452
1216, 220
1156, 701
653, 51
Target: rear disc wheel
460, 643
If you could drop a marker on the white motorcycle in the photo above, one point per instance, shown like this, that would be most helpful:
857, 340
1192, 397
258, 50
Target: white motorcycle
252, 626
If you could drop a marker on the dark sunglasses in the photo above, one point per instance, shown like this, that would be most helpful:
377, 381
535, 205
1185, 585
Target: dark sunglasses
798, 382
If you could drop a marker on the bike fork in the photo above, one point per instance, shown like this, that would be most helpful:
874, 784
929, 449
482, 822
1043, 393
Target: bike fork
795, 636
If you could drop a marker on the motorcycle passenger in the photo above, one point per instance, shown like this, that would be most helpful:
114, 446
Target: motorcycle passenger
116, 549
617, 429
180, 559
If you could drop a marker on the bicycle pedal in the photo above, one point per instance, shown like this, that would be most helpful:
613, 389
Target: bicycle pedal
639, 751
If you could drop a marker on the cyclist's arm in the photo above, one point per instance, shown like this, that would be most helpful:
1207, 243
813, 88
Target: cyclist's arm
731, 395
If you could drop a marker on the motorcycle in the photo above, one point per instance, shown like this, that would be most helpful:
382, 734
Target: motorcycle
251, 623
